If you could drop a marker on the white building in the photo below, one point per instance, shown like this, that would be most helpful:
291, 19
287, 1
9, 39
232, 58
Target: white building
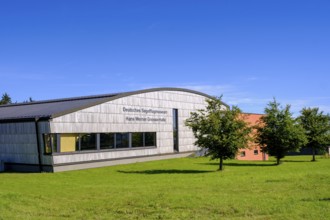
95, 131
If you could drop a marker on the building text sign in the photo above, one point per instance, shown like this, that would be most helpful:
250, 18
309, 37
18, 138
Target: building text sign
145, 114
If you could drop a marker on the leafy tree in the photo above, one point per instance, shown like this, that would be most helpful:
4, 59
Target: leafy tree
5, 99
278, 132
220, 130
317, 128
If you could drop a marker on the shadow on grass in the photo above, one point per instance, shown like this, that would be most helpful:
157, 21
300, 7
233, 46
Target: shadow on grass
312, 200
241, 164
250, 164
172, 171
296, 161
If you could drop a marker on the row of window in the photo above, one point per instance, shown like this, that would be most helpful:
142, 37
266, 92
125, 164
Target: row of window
255, 152
60, 143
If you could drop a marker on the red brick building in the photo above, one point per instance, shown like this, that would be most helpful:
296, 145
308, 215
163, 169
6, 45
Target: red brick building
254, 151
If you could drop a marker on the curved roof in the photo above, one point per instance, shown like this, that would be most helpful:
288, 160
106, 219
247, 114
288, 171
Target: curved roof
57, 107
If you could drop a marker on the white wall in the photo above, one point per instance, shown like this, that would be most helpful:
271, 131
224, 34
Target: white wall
110, 117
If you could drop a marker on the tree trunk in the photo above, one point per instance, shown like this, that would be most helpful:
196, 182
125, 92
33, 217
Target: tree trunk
221, 163
313, 151
277, 161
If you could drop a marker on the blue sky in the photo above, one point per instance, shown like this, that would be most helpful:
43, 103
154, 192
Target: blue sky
248, 50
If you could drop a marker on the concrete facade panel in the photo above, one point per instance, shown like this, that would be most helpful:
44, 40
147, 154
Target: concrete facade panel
147, 112
83, 157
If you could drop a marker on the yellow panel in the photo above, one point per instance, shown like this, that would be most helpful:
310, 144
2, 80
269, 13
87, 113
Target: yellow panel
68, 142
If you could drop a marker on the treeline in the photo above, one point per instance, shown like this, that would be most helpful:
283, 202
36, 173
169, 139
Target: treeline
6, 99
279, 132
222, 132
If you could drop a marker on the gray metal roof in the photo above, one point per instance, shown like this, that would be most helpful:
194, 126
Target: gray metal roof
53, 108
46, 109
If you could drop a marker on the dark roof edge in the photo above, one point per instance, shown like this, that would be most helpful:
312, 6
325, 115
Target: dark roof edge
125, 94
60, 100
251, 113
28, 119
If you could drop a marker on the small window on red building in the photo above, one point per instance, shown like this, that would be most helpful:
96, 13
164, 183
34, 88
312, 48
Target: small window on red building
255, 152
243, 154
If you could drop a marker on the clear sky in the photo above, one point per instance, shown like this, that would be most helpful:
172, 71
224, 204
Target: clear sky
248, 50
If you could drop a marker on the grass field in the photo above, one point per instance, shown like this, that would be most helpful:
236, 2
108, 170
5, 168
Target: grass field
187, 188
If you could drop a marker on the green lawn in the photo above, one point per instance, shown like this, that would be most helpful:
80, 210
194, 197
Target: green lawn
187, 188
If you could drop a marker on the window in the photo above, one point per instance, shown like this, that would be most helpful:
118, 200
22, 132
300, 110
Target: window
144, 139
86, 142
175, 130
107, 140
122, 140
50, 143
137, 139
255, 152
150, 139
242, 153
63, 143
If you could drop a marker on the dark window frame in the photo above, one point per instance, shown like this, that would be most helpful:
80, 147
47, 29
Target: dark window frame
81, 138
154, 139
52, 141
57, 136
122, 140
141, 142
113, 141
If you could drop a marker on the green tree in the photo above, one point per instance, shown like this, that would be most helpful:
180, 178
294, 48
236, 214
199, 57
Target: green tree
5, 99
317, 129
278, 132
220, 130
